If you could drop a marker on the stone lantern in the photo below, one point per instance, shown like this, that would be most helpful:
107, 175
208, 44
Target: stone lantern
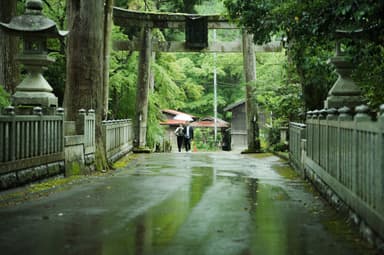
344, 92
34, 28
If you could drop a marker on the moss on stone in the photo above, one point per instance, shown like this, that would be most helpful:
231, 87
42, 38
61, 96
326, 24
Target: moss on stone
73, 169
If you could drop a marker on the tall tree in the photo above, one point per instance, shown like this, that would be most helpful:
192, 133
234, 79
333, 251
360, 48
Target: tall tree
107, 39
85, 64
9, 71
309, 29
250, 100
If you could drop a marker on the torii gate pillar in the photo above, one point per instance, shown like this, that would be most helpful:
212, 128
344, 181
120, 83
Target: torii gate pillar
249, 62
143, 79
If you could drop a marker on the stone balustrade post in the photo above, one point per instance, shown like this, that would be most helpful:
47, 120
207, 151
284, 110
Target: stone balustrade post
345, 114
380, 164
92, 127
361, 116
9, 129
332, 114
37, 111
60, 111
80, 121
362, 113
316, 135
322, 114
9, 110
333, 141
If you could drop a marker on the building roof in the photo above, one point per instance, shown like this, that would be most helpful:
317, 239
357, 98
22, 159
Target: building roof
234, 105
172, 122
171, 114
208, 122
174, 113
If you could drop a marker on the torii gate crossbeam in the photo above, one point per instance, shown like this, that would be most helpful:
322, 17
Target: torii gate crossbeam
145, 45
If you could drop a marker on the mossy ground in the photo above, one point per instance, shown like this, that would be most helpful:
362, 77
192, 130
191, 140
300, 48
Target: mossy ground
53, 185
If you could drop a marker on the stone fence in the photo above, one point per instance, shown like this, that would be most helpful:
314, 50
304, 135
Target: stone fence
118, 137
342, 153
31, 146
38, 146
296, 136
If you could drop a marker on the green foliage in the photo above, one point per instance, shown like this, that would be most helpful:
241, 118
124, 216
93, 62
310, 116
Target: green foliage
185, 6
122, 84
122, 80
273, 136
306, 20
56, 10
154, 130
369, 72
204, 139
167, 72
276, 90
308, 29
314, 74
273, 139
210, 7
4, 97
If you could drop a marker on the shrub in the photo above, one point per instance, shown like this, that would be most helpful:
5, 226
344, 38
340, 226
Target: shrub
4, 97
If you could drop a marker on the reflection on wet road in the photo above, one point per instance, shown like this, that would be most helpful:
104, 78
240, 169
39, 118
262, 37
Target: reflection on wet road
182, 203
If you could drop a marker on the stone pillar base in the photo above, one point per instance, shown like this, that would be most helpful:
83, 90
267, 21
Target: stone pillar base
341, 101
24, 102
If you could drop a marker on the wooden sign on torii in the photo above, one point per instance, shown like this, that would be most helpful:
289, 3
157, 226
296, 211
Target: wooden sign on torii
145, 45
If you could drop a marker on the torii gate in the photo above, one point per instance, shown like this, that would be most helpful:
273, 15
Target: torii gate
145, 45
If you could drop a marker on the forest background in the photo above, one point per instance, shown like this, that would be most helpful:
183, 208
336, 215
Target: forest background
288, 83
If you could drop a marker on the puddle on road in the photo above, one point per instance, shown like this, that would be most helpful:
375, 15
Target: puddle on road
279, 224
277, 221
159, 224
285, 170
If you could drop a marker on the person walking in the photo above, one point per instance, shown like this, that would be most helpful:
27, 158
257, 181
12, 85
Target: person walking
179, 132
188, 136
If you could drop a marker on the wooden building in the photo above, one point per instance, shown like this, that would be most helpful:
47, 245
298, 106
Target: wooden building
239, 136
238, 125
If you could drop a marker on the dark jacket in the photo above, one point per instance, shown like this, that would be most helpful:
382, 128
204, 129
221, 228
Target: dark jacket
190, 132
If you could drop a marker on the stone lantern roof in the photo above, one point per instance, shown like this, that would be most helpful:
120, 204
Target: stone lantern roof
33, 23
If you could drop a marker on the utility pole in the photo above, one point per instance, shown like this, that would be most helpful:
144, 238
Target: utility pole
214, 88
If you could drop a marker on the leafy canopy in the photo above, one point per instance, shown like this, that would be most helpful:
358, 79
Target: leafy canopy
308, 30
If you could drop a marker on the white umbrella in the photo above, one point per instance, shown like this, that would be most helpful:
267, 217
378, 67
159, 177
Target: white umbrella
183, 117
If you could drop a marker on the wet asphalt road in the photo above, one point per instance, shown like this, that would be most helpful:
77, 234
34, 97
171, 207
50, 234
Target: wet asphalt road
182, 203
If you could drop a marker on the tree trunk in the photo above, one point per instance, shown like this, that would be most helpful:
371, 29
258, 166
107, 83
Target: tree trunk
141, 115
249, 61
9, 69
107, 50
152, 75
85, 65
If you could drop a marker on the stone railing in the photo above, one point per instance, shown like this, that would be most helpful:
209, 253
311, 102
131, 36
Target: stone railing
85, 125
296, 138
37, 146
31, 146
80, 144
344, 155
118, 138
